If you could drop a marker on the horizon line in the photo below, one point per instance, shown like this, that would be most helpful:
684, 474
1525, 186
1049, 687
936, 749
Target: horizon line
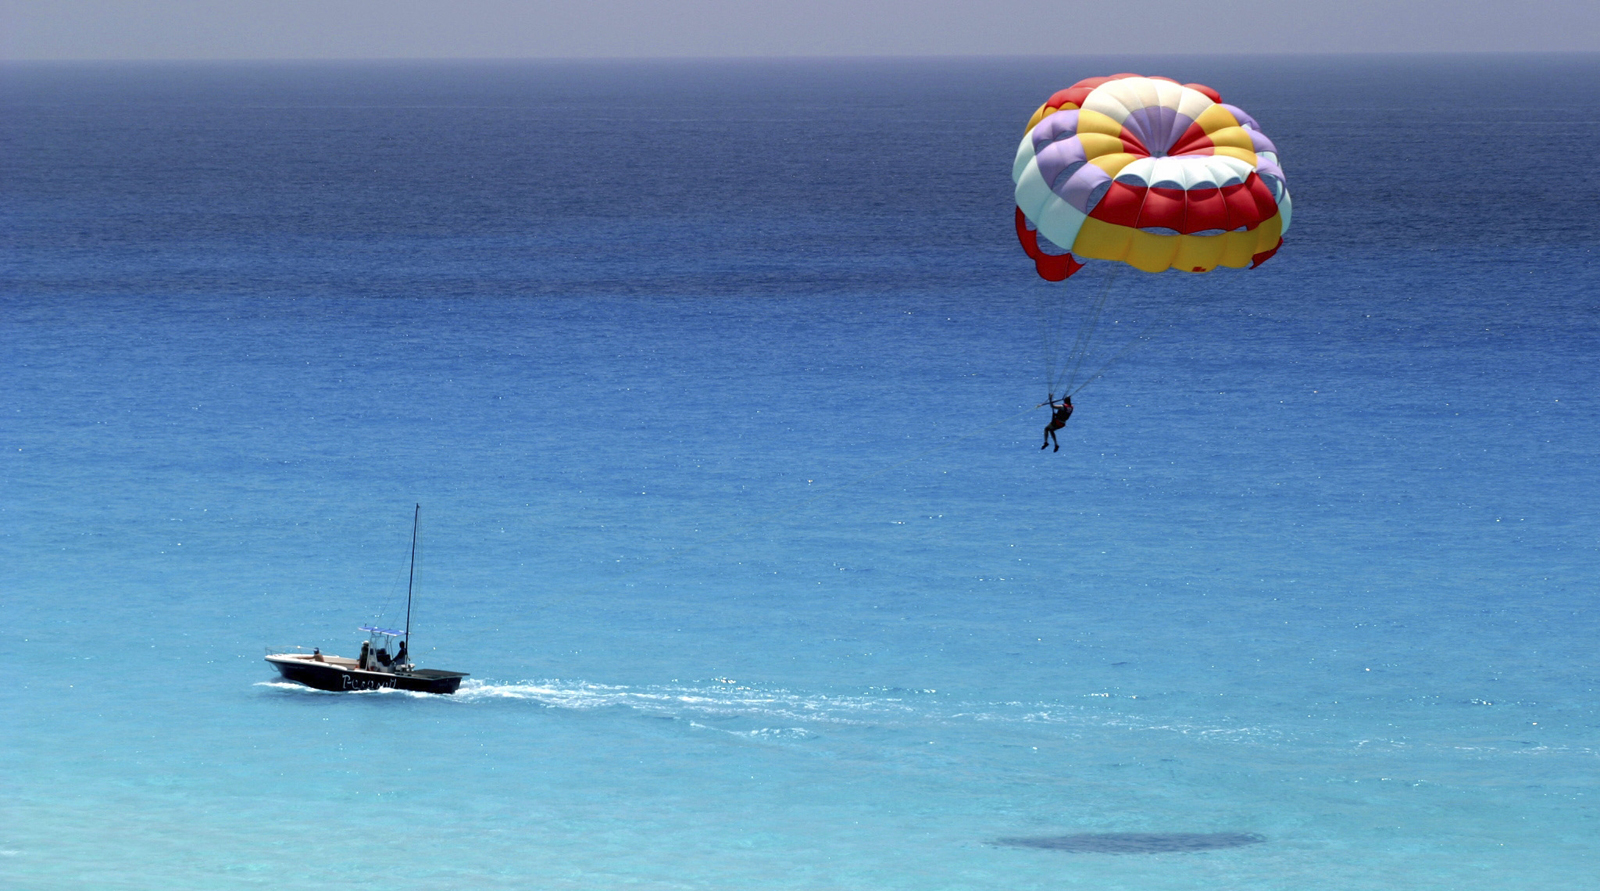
831, 57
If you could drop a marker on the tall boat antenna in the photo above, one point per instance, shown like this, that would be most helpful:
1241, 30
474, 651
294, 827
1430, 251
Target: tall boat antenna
416, 518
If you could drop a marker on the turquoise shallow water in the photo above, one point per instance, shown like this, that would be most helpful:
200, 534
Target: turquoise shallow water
732, 502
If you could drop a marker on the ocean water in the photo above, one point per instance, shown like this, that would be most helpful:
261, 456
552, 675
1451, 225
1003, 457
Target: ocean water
715, 382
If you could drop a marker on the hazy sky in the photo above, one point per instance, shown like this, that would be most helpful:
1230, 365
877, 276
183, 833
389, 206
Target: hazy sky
357, 29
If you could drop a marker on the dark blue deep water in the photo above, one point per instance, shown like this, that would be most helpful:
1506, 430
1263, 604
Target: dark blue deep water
714, 381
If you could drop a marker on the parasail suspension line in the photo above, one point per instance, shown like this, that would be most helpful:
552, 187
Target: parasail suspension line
1138, 340
1091, 323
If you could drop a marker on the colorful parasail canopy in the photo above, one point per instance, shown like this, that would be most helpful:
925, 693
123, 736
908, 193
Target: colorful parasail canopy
1149, 172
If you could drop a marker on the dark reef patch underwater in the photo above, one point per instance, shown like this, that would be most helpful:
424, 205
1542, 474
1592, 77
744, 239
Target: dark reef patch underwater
1136, 842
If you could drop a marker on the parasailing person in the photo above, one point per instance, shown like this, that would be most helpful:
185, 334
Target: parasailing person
1059, 413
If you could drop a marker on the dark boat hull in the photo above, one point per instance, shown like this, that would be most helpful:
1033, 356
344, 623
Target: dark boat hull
338, 679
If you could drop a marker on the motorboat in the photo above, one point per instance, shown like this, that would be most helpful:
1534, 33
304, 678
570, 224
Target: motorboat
374, 669
380, 665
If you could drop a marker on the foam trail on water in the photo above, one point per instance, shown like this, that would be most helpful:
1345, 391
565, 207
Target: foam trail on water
720, 700
1136, 842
